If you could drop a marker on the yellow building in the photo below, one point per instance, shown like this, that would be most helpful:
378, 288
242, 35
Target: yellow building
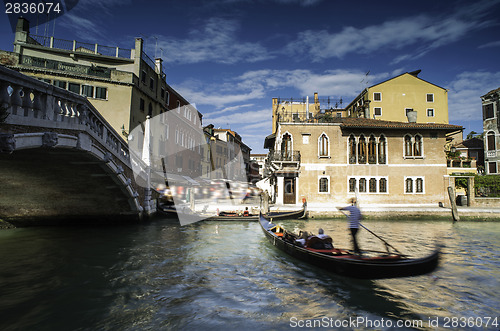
402, 98
125, 85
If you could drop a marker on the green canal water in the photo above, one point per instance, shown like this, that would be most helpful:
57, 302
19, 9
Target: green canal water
225, 276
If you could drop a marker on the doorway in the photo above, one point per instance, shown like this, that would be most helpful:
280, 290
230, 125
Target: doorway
289, 191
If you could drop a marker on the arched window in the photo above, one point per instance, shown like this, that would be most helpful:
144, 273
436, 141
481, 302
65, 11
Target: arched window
362, 150
372, 185
323, 145
381, 150
352, 185
286, 147
409, 185
372, 150
352, 150
323, 184
382, 184
362, 185
417, 146
490, 140
419, 183
408, 146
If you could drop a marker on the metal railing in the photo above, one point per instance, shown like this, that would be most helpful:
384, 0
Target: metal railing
148, 60
284, 156
78, 46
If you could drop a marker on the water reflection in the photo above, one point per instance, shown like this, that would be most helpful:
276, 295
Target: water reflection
214, 275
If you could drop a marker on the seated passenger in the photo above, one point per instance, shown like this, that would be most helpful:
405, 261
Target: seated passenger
321, 234
321, 241
301, 241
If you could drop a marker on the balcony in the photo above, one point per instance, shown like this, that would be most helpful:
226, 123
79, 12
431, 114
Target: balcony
284, 160
461, 164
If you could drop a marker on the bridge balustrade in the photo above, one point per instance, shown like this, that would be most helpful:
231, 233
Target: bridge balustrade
35, 103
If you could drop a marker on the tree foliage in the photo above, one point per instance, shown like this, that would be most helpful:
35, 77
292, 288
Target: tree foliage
488, 185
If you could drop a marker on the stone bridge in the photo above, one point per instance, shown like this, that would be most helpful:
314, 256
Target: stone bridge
60, 161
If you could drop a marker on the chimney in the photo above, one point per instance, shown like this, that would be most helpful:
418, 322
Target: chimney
307, 108
22, 34
158, 65
411, 115
23, 25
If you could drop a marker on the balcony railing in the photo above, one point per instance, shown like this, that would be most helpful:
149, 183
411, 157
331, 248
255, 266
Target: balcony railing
461, 163
491, 153
286, 156
77, 46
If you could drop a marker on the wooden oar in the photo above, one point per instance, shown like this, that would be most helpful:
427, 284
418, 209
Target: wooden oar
385, 242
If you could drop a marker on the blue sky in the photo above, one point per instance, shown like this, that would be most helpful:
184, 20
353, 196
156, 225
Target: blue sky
231, 57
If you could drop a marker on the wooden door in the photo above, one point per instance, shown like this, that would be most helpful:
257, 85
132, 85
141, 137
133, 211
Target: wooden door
289, 189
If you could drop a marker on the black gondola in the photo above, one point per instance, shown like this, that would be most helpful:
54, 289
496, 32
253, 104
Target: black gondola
274, 215
287, 215
346, 263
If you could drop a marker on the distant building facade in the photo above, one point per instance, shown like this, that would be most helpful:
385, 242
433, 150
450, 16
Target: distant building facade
260, 159
234, 146
491, 131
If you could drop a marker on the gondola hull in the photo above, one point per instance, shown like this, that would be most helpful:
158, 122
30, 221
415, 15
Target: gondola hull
276, 215
286, 215
351, 265
250, 218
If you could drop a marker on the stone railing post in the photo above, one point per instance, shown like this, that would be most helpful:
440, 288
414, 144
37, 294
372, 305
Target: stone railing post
4, 94
27, 103
15, 99
471, 192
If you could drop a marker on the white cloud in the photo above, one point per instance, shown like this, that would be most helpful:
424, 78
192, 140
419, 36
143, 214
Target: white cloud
252, 116
491, 44
88, 18
464, 101
424, 31
258, 84
215, 42
97, 6
82, 27
218, 97
340, 82
230, 109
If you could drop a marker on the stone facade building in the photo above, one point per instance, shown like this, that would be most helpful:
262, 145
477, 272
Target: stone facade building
380, 161
491, 129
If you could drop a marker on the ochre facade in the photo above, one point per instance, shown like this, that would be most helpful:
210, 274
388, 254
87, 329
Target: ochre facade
377, 161
392, 99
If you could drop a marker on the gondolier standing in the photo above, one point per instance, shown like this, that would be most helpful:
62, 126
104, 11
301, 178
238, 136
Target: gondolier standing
354, 218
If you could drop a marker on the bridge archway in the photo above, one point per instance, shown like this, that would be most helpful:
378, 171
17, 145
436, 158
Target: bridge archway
62, 183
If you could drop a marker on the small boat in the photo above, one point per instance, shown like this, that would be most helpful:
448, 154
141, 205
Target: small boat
233, 216
374, 265
287, 215
275, 215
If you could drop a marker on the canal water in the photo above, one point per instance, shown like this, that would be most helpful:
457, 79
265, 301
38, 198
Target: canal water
225, 276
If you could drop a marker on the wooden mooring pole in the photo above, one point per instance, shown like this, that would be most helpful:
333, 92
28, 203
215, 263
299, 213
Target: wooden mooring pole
454, 211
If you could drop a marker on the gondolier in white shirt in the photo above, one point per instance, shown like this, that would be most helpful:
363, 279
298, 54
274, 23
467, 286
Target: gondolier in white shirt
354, 218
